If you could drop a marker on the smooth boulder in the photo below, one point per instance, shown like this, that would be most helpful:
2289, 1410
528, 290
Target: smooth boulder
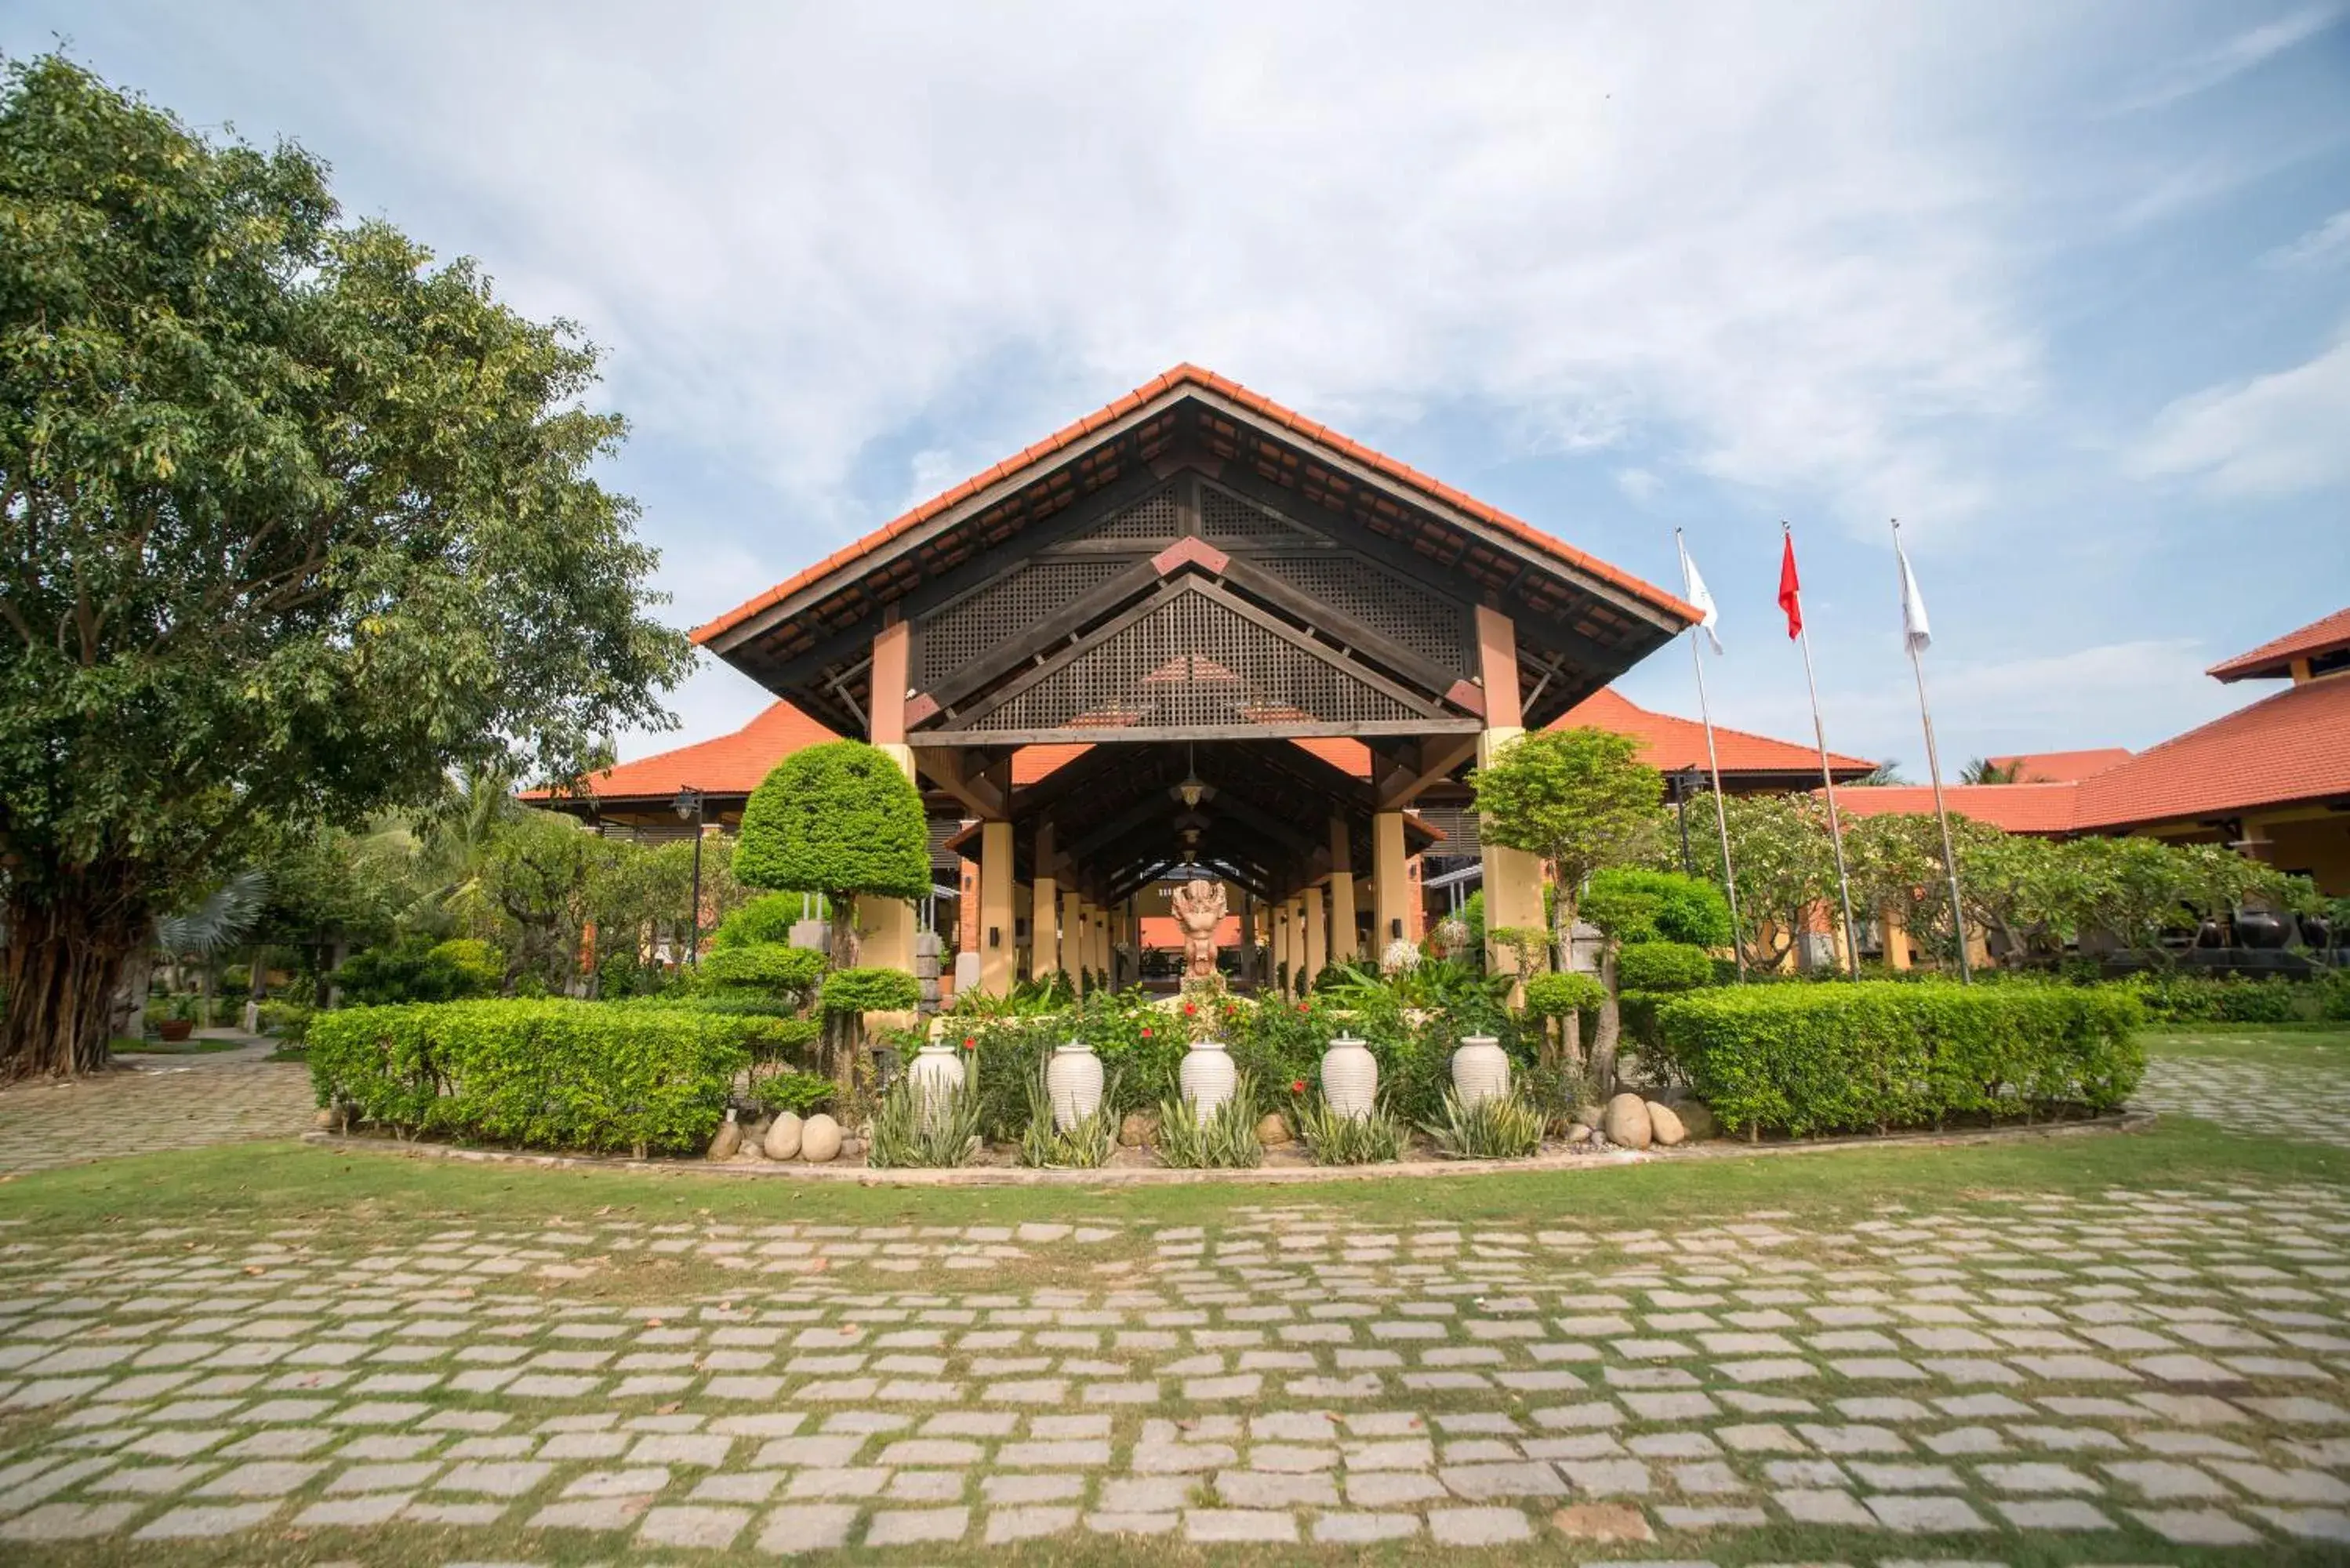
782, 1141
1627, 1125
1271, 1131
820, 1139
1134, 1131
1665, 1125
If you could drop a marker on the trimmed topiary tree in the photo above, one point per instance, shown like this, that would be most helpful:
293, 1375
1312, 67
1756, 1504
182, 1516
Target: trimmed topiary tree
841, 819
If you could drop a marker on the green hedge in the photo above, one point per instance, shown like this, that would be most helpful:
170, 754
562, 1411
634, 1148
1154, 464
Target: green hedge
557, 1075
869, 990
1664, 966
2234, 999
1876, 1056
771, 966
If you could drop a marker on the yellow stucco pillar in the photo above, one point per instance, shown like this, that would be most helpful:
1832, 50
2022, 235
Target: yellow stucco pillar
1073, 926
1390, 883
995, 931
1317, 944
885, 927
1897, 936
1342, 893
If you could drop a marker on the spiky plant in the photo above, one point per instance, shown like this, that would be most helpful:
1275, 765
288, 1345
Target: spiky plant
1334, 1140
1500, 1127
1084, 1147
904, 1137
1224, 1139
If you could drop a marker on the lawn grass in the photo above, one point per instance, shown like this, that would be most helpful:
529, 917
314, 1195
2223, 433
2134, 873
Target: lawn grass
193, 1045
286, 1184
2288, 1045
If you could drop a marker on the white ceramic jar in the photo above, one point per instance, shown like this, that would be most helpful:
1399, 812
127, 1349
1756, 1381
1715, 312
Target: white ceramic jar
1072, 1081
937, 1076
1481, 1069
1350, 1078
1208, 1077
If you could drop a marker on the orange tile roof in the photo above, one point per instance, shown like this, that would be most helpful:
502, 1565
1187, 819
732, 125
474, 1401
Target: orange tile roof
2062, 767
2014, 808
1256, 403
1671, 745
2328, 635
2291, 747
731, 764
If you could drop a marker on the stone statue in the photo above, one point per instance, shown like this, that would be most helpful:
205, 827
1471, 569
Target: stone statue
1199, 909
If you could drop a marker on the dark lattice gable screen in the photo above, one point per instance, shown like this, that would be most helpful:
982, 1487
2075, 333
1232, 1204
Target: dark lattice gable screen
1193, 662
1153, 517
966, 630
1429, 624
1226, 519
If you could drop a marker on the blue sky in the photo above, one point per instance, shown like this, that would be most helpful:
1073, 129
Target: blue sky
2066, 287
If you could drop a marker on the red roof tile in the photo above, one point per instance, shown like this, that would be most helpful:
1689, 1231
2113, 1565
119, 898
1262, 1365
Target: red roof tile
1264, 407
2015, 808
1671, 745
2294, 746
731, 764
2273, 660
2062, 767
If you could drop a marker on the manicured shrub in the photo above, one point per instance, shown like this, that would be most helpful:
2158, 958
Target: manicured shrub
769, 918
1663, 966
557, 1075
2229, 998
801, 1094
1637, 906
1879, 1055
872, 990
765, 966
418, 969
841, 818
1549, 996
288, 1021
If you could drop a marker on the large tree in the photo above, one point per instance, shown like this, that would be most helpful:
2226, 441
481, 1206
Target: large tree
293, 523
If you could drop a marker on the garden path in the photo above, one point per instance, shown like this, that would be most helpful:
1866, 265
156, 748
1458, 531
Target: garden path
155, 1102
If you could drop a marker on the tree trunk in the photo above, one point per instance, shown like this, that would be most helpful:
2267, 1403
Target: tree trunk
1570, 1027
1611, 1026
66, 955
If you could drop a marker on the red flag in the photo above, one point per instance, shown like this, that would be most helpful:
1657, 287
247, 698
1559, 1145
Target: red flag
1791, 591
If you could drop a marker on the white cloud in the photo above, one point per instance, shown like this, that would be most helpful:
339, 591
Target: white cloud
1641, 484
2244, 51
2274, 435
2320, 246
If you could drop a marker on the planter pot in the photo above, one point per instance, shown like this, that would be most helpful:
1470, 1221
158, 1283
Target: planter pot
1208, 1077
1350, 1078
2260, 930
175, 1029
937, 1076
1072, 1081
1481, 1069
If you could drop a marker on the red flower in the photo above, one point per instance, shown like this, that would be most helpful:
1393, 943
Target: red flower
969, 1042
1189, 1008
1297, 1085
1146, 1032
1304, 1007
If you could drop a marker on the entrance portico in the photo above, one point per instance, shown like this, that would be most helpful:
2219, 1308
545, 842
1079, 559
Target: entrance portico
1195, 634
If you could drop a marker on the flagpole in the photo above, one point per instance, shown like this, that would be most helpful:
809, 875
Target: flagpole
1933, 766
1827, 778
1720, 814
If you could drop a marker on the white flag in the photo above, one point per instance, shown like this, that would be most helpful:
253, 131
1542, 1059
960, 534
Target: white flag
1916, 634
1694, 591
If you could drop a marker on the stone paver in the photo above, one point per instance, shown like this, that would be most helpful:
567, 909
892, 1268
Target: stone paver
172, 1102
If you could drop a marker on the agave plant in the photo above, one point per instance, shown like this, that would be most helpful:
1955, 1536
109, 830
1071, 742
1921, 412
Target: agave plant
1498, 1127
1224, 1139
1084, 1147
905, 1137
1334, 1140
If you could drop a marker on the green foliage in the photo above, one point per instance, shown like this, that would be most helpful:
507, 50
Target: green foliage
905, 1137
418, 969
764, 920
1805, 1059
1634, 906
1784, 864
1555, 995
1500, 1127
1581, 799
2333, 990
555, 1074
320, 519
770, 967
2234, 999
1663, 966
1224, 1139
869, 990
1088, 1146
841, 819
288, 1021
1333, 1139
801, 1094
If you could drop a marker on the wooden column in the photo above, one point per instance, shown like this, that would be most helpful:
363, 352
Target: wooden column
1044, 910
996, 933
1390, 883
1342, 893
886, 926
1513, 878
1317, 945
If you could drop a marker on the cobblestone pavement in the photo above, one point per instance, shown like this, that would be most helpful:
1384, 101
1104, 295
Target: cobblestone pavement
2249, 1097
2142, 1373
156, 1102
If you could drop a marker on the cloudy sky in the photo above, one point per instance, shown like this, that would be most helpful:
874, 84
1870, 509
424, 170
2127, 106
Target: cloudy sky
2066, 287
